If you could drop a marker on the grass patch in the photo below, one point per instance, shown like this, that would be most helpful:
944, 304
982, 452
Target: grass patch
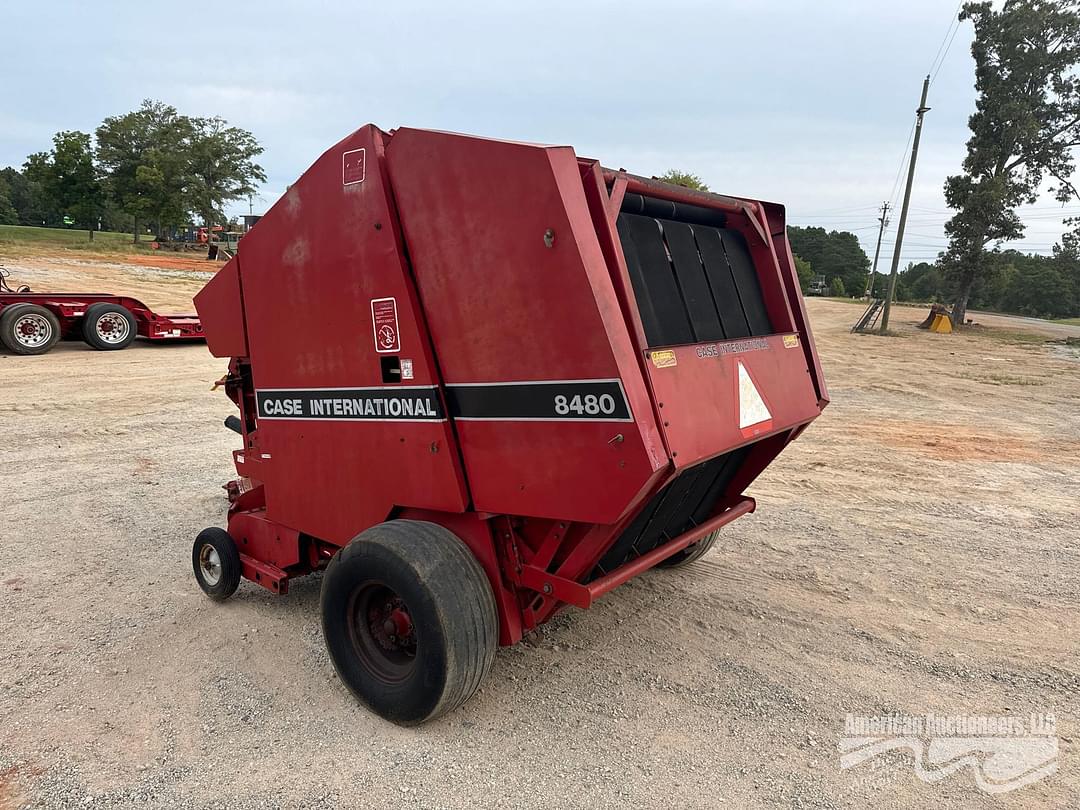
844, 300
1014, 336
69, 239
1068, 321
876, 332
1002, 379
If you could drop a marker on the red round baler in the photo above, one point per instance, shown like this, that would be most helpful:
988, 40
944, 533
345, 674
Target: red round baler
480, 381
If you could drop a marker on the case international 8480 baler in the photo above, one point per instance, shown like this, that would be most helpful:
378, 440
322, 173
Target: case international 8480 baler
480, 381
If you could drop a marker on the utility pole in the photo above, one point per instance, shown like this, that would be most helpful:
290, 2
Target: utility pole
884, 220
919, 113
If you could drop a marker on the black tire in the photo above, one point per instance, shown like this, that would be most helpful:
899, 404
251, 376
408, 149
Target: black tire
216, 562
409, 620
108, 327
691, 553
28, 329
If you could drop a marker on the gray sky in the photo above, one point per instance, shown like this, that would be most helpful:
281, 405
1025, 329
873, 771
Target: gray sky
808, 103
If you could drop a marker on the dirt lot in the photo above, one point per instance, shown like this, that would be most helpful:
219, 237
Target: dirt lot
916, 551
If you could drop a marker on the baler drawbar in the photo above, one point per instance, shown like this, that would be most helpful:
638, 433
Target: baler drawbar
480, 381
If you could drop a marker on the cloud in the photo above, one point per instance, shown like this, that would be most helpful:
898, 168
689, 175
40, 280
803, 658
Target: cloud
806, 103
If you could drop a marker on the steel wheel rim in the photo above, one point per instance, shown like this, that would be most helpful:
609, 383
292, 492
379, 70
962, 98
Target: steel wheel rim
210, 565
32, 330
112, 327
381, 631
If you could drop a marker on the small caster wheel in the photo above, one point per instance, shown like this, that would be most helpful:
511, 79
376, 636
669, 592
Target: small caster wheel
217, 563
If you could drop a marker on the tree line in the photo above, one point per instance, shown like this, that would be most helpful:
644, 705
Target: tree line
1012, 281
1024, 130
149, 168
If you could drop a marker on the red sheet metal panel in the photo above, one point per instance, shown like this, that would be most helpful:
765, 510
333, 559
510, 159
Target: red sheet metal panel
515, 290
221, 312
327, 297
776, 218
717, 396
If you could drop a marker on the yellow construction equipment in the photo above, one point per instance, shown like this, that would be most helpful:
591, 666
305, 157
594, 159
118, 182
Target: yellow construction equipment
941, 323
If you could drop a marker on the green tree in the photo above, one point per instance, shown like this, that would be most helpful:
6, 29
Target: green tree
1025, 125
920, 282
805, 271
223, 167
8, 214
68, 178
880, 285
146, 157
26, 198
832, 254
836, 287
680, 178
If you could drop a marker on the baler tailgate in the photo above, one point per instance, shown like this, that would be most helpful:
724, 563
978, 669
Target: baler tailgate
719, 374
728, 393
693, 283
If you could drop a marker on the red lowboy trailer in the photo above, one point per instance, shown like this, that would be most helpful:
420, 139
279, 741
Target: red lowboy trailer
480, 381
32, 323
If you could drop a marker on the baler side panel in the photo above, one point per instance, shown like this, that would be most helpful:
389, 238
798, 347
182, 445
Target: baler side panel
322, 273
777, 229
221, 311
515, 289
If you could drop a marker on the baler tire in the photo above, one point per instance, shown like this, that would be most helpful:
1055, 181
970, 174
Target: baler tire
436, 657
220, 552
45, 318
96, 313
691, 553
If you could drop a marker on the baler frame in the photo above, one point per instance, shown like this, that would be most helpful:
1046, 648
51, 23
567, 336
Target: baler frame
535, 564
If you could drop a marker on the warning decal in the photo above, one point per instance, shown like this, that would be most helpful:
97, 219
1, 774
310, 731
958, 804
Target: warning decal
385, 324
664, 359
754, 416
353, 167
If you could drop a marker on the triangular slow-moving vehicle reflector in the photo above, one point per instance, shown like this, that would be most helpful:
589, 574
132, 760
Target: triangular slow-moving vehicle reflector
754, 415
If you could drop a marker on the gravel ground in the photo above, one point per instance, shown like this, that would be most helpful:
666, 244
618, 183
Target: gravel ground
915, 551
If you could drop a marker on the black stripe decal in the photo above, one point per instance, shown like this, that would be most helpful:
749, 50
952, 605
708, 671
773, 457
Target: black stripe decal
397, 403
540, 401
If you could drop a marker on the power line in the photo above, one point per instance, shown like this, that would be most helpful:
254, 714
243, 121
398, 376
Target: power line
833, 211
954, 26
900, 168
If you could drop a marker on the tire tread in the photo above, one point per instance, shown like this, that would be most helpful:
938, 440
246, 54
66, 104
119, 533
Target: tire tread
461, 592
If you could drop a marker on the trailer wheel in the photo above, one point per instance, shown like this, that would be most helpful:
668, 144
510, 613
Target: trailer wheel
217, 563
409, 620
108, 326
28, 329
691, 553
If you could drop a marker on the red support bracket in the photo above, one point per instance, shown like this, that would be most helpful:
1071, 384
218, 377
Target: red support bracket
582, 596
261, 573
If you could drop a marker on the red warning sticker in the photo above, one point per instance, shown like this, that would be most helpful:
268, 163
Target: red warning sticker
384, 322
353, 167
